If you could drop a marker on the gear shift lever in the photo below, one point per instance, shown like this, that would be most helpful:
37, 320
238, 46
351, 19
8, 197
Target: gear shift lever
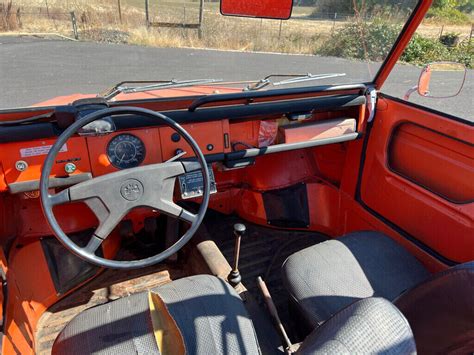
234, 277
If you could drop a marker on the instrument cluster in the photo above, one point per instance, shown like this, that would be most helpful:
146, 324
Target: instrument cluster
126, 151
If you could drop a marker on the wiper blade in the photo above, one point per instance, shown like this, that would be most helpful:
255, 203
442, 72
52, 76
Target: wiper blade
125, 89
295, 78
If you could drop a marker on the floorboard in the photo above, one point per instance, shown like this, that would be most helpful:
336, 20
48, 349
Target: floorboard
108, 286
263, 251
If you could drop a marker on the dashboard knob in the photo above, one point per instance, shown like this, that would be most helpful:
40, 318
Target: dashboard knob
21, 165
175, 137
70, 168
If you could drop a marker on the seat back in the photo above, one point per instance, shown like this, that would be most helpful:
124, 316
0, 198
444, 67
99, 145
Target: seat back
441, 311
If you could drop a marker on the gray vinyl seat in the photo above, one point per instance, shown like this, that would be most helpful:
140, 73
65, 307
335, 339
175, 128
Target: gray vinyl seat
326, 277
212, 320
367, 326
208, 312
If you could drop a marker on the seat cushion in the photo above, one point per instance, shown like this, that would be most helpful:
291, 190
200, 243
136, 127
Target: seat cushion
441, 311
368, 326
327, 277
208, 312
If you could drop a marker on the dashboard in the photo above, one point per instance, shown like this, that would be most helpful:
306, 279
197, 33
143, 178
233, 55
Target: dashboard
82, 158
85, 157
230, 135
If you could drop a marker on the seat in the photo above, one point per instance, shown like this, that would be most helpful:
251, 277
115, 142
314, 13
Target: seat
326, 277
367, 326
208, 312
212, 320
440, 311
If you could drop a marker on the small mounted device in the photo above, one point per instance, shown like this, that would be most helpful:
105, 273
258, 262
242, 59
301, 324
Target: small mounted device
192, 184
68, 114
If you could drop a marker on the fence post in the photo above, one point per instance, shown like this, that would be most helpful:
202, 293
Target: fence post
74, 25
18, 18
184, 17
47, 8
279, 31
470, 35
201, 18
147, 14
119, 10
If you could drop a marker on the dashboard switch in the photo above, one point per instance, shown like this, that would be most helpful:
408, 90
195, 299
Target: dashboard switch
70, 168
21, 165
175, 137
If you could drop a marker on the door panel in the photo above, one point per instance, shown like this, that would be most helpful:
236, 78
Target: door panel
419, 175
437, 162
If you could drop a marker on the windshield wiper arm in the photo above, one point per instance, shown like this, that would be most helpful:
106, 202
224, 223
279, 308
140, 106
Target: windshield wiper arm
294, 79
308, 77
125, 89
266, 81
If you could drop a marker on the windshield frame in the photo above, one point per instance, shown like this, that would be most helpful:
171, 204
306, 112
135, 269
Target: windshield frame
406, 34
378, 80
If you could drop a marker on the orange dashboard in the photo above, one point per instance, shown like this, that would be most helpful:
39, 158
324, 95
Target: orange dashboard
236, 143
93, 156
234, 133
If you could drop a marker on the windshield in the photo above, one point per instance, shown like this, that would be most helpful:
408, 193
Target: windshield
84, 48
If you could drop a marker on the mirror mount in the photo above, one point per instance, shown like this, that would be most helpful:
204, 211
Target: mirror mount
409, 92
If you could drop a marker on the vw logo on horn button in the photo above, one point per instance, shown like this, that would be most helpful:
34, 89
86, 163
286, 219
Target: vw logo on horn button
131, 190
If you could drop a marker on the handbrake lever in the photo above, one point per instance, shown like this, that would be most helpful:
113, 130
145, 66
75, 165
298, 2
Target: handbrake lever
289, 347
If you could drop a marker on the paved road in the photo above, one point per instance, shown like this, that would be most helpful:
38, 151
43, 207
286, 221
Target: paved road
36, 69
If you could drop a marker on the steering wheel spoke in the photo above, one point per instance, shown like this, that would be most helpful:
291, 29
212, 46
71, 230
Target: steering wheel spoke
170, 208
94, 243
107, 226
190, 166
60, 198
187, 216
101, 233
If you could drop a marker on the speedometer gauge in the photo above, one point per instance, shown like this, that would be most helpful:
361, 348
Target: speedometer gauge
126, 151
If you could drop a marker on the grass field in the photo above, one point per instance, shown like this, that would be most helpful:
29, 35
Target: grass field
100, 20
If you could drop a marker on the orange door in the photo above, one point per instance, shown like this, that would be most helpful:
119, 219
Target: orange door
418, 177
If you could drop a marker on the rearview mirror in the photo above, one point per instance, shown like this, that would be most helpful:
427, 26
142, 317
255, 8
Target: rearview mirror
273, 9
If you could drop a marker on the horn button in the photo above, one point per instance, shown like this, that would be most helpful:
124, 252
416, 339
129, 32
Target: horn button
131, 190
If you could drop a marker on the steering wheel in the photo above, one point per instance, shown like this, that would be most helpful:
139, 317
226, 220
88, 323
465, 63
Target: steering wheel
113, 195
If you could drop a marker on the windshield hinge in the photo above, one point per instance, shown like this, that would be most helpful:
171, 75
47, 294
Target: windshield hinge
371, 101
